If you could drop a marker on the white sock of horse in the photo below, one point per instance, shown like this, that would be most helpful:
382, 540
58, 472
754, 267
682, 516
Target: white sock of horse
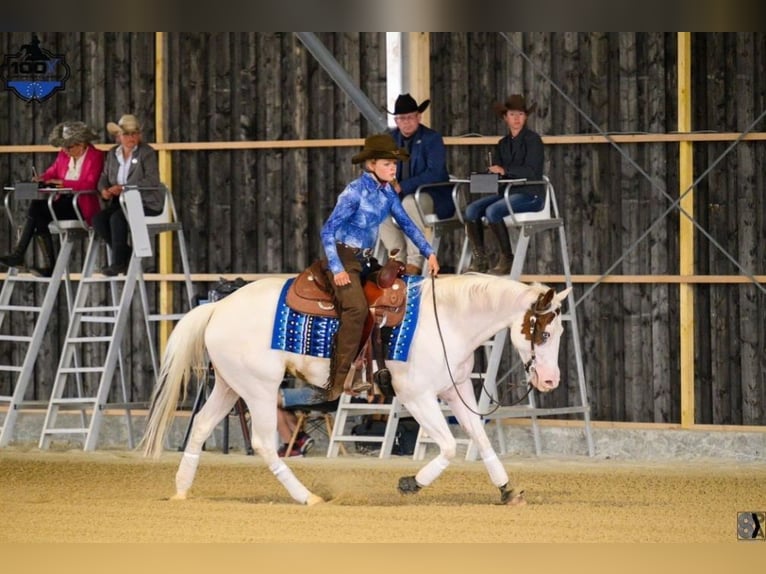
299, 492
497, 473
186, 471
431, 471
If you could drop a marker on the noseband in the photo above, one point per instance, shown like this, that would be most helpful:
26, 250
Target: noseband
536, 321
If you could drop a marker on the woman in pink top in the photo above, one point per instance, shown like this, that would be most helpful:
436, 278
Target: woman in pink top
77, 167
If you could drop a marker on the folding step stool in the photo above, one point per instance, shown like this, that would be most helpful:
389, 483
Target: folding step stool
109, 322
70, 232
341, 433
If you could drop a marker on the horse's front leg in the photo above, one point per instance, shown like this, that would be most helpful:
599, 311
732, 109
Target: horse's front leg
426, 411
465, 410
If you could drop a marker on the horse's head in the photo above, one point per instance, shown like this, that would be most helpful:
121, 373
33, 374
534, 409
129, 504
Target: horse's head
537, 336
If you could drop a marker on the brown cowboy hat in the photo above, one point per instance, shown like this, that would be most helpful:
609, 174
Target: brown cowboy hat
128, 124
406, 104
66, 134
514, 102
380, 146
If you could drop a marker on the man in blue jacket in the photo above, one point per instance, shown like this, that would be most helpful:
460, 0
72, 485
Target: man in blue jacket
427, 164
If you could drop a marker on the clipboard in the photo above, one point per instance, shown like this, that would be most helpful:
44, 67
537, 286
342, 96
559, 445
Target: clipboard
484, 183
27, 190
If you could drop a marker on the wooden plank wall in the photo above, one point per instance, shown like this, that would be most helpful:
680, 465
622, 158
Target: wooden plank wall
248, 211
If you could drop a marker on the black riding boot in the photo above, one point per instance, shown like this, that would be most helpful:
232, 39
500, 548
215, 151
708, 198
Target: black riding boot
45, 243
475, 232
16, 257
503, 266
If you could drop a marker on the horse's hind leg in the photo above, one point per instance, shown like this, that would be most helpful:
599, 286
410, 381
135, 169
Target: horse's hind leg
218, 405
263, 417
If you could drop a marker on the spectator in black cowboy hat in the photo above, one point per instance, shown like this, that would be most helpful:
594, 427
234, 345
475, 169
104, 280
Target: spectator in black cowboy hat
427, 164
518, 155
77, 167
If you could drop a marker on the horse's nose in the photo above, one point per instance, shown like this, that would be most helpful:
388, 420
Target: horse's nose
544, 381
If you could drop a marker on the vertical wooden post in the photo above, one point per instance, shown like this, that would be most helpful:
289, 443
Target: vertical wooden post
686, 231
418, 68
166, 176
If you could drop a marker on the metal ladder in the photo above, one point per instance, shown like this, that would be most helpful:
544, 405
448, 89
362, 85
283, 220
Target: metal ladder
527, 228
70, 232
102, 328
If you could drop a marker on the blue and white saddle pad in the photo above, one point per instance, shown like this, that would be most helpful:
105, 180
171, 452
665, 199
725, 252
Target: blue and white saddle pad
310, 335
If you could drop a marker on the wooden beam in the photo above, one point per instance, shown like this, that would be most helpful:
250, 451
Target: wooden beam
686, 231
166, 176
450, 141
419, 69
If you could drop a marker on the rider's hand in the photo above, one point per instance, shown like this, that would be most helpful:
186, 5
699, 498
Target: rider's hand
342, 279
433, 265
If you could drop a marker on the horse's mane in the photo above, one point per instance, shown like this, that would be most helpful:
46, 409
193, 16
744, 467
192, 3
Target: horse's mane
478, 292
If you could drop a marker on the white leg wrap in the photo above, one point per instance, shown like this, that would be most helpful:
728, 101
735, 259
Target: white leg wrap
432, 470
496, 470
299, 492
186, 471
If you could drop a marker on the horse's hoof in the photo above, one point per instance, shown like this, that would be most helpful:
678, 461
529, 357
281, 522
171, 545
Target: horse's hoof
517, 500
408, 485
511, 497
179, 496
314, 499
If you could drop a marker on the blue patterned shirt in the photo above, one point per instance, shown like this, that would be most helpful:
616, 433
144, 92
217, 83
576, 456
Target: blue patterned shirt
361, 208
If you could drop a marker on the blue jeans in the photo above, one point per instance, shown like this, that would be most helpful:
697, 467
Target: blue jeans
494, 209
302, 395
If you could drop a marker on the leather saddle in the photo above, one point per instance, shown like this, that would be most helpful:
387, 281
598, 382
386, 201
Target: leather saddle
386, 293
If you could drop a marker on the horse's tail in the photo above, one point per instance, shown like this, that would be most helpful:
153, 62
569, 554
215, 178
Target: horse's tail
185, 350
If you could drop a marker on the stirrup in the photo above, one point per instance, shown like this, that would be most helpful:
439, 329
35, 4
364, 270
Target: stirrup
359, 387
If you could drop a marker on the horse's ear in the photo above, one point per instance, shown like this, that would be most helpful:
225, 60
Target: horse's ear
544, 301
561, 295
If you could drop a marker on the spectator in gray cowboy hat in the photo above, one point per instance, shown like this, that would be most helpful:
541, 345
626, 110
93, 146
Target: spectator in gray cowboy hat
77, 167
129, 163
518, 155
427, 164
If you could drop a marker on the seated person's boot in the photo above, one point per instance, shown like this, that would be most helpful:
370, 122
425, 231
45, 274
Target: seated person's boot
505, 263
479, 261
45, 242
16, 257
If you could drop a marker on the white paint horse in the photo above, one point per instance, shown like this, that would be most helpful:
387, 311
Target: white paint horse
237, 333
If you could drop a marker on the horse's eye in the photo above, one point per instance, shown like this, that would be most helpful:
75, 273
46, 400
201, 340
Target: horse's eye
546, 335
